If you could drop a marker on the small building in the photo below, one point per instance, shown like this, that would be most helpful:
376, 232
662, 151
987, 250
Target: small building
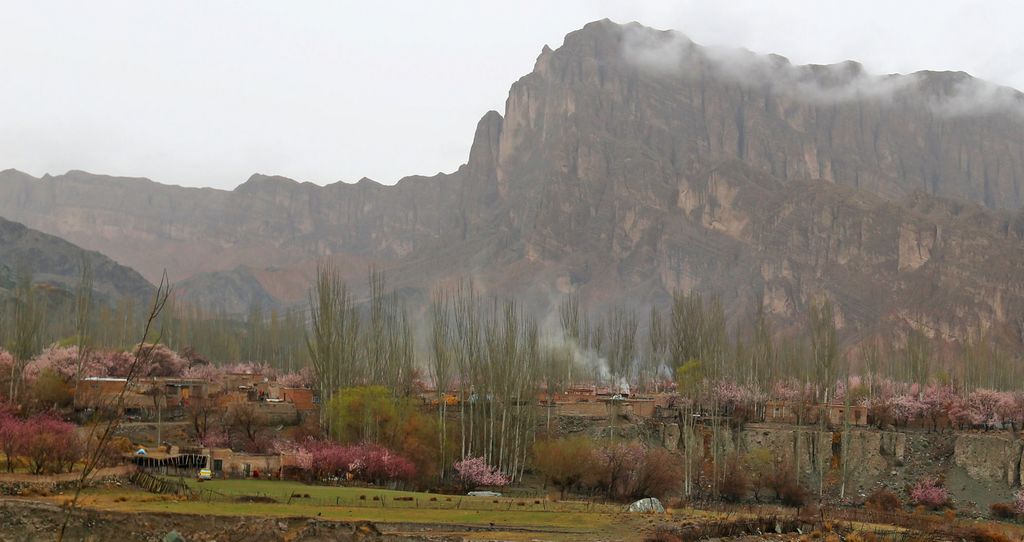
856, 415
98, 392
303, 399
780, 412
228, 463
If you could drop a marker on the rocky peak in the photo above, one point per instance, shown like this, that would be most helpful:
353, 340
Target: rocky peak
630, 163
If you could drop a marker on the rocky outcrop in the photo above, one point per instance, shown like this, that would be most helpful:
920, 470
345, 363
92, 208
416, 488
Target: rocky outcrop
991, 457
628, 164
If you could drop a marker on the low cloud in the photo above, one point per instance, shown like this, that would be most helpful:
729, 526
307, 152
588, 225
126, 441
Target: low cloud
669, 53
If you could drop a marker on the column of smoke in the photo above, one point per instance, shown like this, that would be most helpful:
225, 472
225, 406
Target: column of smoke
586, 362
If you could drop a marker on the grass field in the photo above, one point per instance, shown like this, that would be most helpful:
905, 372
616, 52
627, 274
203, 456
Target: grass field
298, 493
557, 520
400, 512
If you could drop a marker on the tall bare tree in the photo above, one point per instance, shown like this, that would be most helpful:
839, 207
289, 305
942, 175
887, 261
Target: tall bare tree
83, 311
441, 345
657, 344
101, 432
28, 319
332, 339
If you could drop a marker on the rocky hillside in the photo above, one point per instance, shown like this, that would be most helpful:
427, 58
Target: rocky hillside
57, 262
629, 163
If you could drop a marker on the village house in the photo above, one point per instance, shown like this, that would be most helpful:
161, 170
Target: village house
791, 413
145, 398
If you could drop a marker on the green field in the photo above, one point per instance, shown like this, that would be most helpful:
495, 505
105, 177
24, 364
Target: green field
559, 520
364, 497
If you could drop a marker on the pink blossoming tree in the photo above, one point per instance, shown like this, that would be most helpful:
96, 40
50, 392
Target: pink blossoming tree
474, 472
927, 492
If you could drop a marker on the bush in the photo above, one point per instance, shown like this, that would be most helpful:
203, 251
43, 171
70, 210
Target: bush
929, 493
564, 462
659, 476
883, 500
735, 485
986, 533
787, 487
1003, 510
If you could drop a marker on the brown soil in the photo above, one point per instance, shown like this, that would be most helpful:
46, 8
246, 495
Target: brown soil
25, 521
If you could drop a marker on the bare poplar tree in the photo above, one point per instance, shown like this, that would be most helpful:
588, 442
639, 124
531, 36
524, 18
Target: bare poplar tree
657, 344
917, 358
441, 369
83, 309
332, 339
556, 362
28, 319
101, 433
621, 334
824, 353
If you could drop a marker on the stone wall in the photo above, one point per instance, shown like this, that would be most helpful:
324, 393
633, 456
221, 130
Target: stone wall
974, 463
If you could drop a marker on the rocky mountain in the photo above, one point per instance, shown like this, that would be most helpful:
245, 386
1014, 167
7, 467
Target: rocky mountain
630, 163
56, 262
236, 290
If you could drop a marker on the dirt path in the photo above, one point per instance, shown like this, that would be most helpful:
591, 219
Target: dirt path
22, 477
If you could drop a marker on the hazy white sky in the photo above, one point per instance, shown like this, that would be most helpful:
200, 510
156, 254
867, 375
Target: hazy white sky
205, 93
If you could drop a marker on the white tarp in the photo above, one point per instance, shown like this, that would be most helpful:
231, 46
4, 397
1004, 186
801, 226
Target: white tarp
650, 504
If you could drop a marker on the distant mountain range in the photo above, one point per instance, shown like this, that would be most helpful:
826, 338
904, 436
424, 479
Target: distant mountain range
630, 163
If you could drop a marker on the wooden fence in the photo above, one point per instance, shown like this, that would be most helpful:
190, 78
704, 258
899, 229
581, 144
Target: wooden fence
162, 486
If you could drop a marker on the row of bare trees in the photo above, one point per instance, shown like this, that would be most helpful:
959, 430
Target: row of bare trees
490, 351
349, 346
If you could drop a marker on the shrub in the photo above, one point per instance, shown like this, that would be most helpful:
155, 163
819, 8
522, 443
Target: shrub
735, 485
929, 493
787, 487
986, 533
1003, 510
883, 500
564, 462
660, 474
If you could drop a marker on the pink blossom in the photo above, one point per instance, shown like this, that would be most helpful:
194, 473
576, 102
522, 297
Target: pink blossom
928, 492
1011, 407
793, 391
474, 472
204, 371
303, 378
906, 407
368, 462
161, 361
50, 445
250, 368
215, 439
981, 407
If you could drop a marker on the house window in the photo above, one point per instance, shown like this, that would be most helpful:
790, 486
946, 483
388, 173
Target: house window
218, 465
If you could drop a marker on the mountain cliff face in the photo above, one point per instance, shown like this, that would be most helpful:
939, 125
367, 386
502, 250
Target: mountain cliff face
628, 164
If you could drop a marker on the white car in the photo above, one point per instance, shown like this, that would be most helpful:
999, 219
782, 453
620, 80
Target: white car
205, 474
